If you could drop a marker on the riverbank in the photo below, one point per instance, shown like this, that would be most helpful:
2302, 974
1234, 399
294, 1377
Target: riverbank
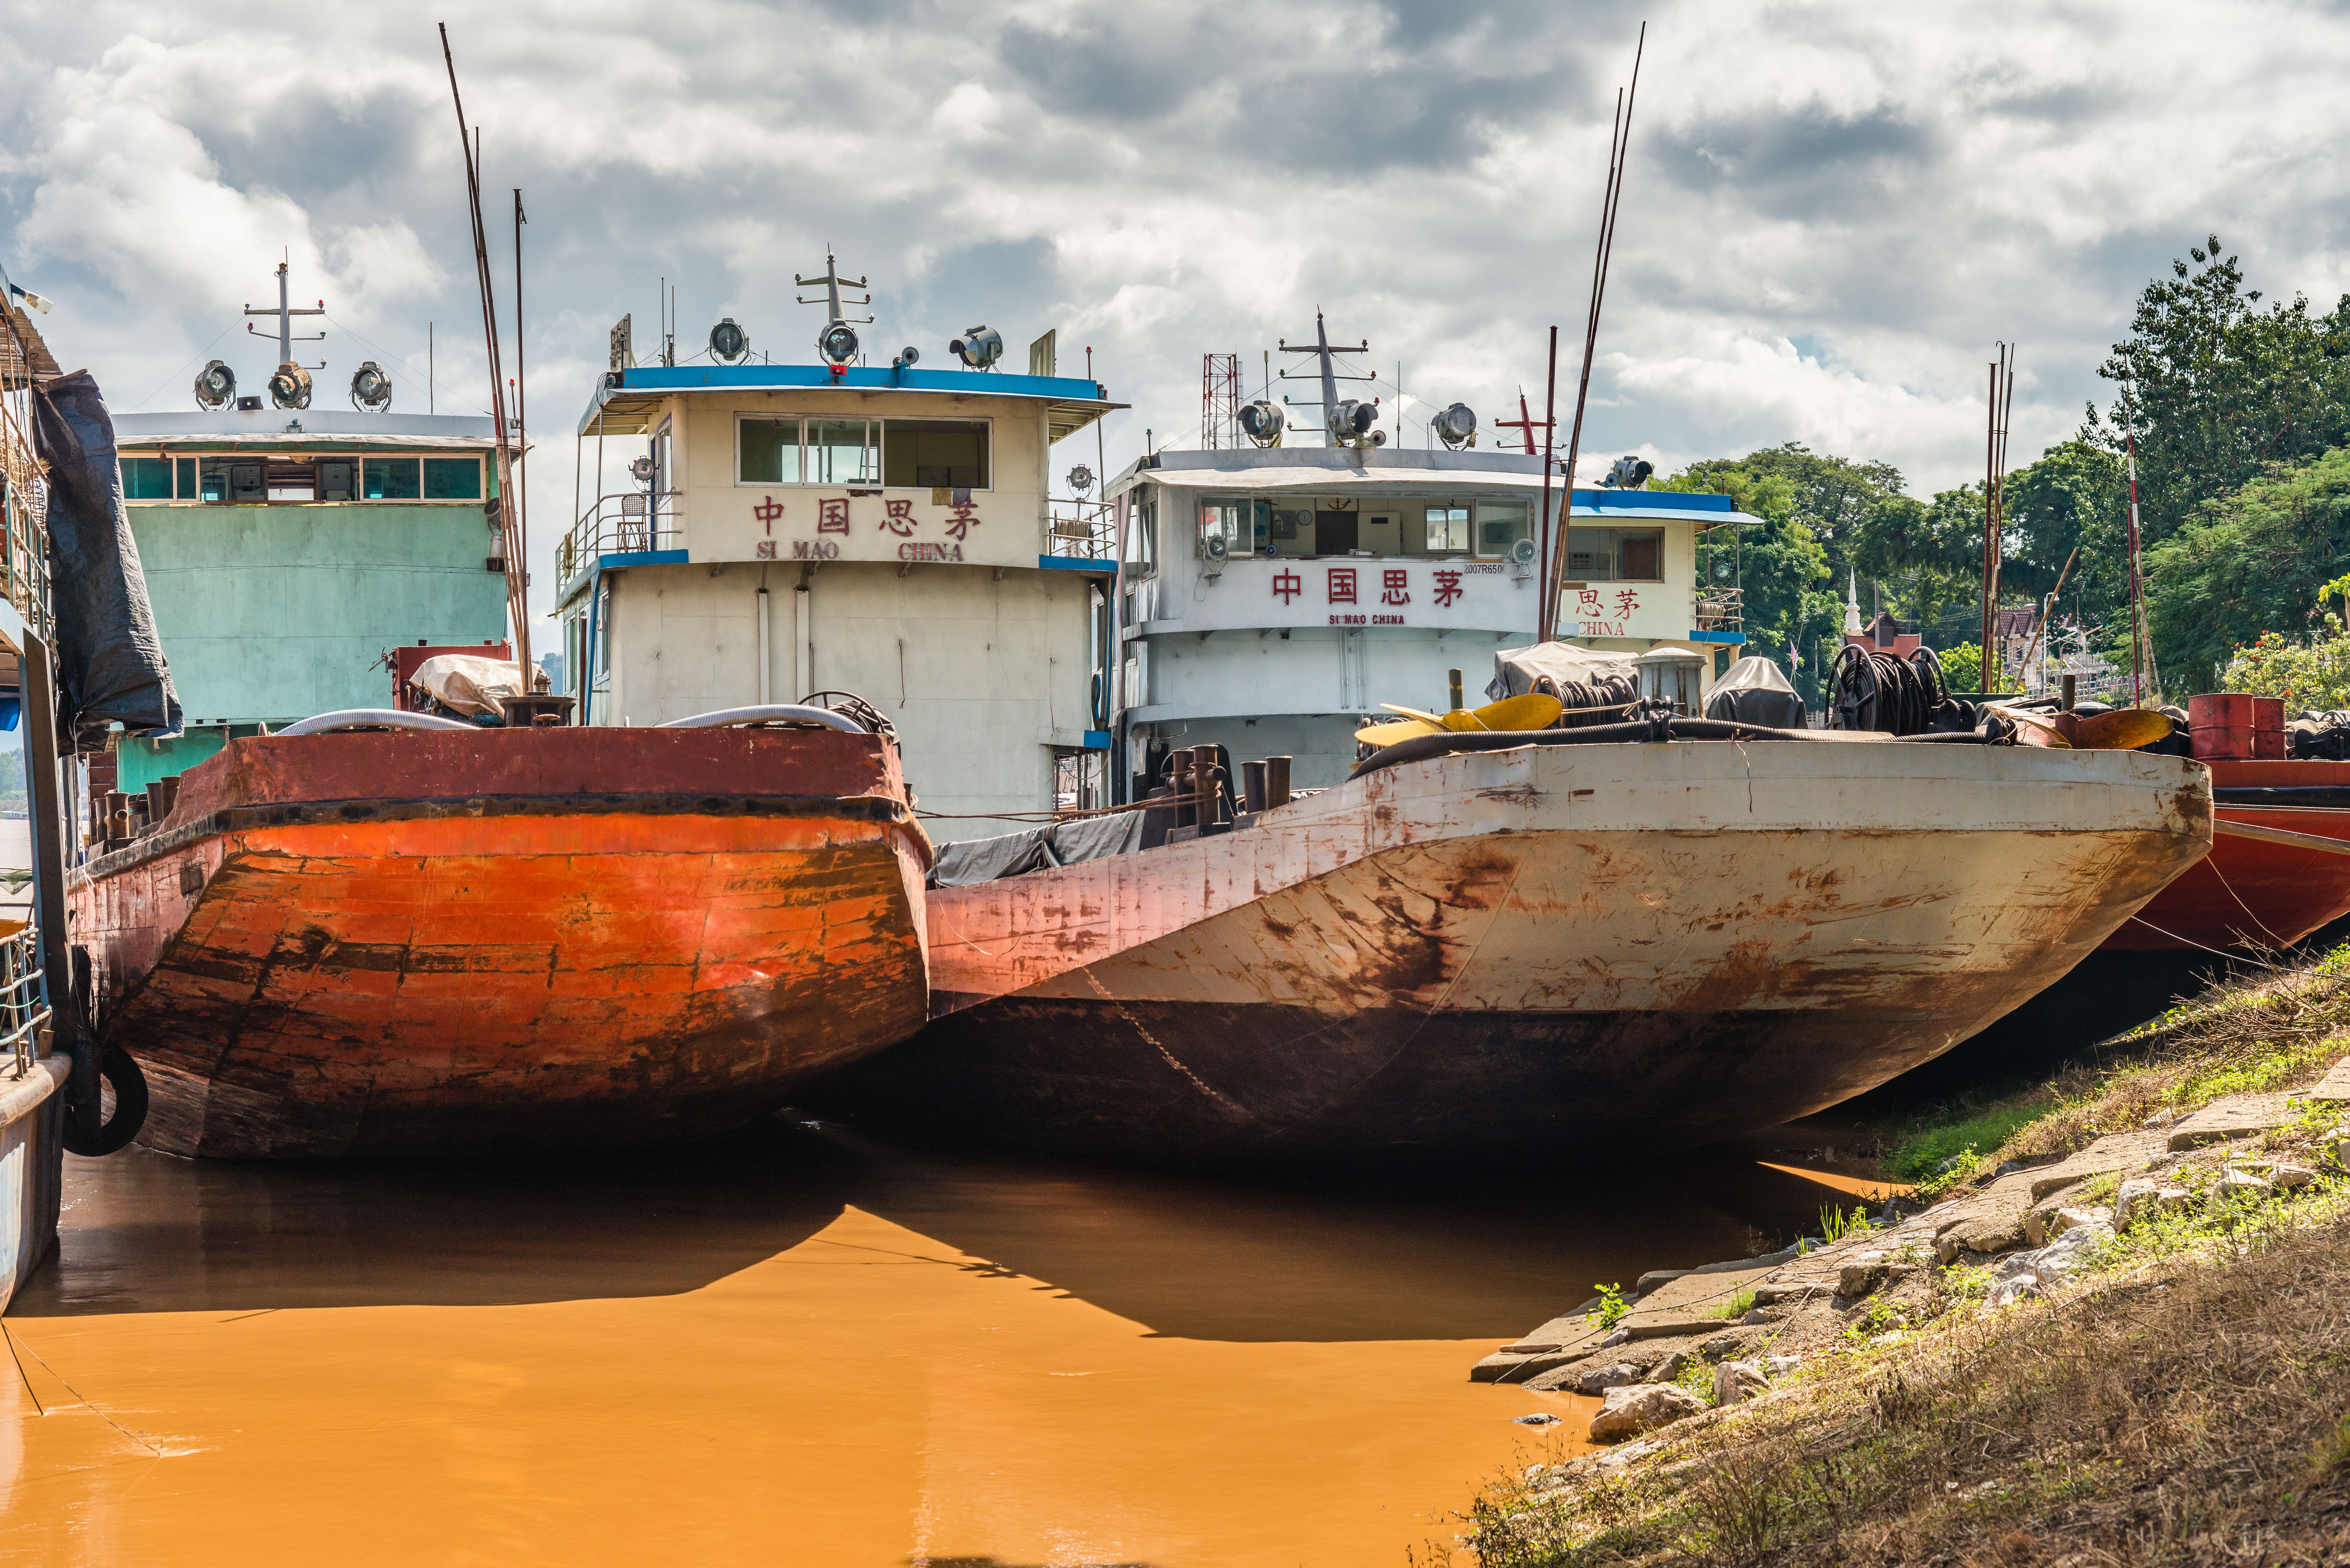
2112, 1326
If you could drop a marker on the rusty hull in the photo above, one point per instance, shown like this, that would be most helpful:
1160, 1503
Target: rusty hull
444, 943
1546, 951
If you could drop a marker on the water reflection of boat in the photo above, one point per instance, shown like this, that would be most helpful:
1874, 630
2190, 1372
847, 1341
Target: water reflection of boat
469, 940
1553, 947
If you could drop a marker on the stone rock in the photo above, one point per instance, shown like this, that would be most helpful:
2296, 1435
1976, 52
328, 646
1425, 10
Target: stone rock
1539, 1418
2291, 1177
2334, 1085
1867, 1272
1621, 1336
1595, 1380
2134, 1202
2236, 1116
2336, 1145
2162, 1119
2031, 1273
2072, 1216
1793, 1293
1779, 1365
2239, 1184
1638, 1408
1670, 1367
1760, 1315
1654, 1278
1736, 1380
1720, 1347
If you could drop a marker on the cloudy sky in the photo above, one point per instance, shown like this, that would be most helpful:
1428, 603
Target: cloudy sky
1831, 211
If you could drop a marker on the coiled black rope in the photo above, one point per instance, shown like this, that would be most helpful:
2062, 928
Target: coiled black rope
1588, 702
1883, 692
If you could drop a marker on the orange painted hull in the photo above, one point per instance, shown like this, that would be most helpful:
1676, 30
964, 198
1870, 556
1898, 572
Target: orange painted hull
472, 974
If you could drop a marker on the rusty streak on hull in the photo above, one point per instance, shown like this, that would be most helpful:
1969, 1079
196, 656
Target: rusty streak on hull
628, 937
1557, 949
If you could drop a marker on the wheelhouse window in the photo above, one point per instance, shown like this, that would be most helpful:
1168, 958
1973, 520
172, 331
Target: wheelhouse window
1499, 526
1242, 524
843, 451
1445, 530
453, 478
1616, 555
146, 479
766, 451
390, 479
1142, 532
934, 453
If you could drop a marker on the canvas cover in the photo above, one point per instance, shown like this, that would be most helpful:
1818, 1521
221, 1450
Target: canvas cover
1516, 669
1755, 691
468, 683
1034, 848
110, 666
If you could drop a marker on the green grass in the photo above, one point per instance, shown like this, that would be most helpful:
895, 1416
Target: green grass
1738, 1305
1921, 1154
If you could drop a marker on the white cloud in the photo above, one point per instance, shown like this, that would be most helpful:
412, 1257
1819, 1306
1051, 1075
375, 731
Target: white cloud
1831, 213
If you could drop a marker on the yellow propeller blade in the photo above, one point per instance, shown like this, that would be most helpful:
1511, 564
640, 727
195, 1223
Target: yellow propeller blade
1435, 719
1533, 711
2124, 729
1401, 730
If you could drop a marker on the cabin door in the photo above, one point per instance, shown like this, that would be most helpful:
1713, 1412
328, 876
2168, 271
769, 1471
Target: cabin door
1334, 533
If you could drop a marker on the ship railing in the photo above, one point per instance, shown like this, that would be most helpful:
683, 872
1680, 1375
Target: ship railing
24, 998
23, 507
1081, 530
1720, 609
626, 523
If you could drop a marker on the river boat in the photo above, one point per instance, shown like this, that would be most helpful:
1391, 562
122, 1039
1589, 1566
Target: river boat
2279, 867
466, 942
1464, 946
324, 926
1553, 949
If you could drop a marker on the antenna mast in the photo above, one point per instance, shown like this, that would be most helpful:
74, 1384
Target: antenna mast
509, 514
1325, 356
1619, 143
286, 314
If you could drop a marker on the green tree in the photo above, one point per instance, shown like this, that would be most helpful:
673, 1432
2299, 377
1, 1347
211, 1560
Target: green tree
2222, 388
1782, 566
2256, 561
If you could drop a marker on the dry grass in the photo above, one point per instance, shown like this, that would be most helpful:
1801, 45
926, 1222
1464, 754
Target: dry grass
2189, 1403
2190, 1411
2266, 1032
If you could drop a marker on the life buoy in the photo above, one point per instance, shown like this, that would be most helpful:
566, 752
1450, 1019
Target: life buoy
117, 1068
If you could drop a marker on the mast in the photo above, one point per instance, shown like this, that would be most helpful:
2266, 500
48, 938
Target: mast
2137, 576
509, 514
1619, 142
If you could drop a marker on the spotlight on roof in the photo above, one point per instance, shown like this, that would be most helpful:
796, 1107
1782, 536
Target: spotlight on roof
1630, 472
728, 342
372, 388
289, 386
216, 386
978, 346
1261, 421
836, 343
1081, 479
906, 356
1456, 427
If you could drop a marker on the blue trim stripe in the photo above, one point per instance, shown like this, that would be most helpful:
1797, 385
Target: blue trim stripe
1732, 637
694, 377
1077, 563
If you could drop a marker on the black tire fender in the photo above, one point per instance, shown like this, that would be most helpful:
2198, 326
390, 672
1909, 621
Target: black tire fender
120, 1068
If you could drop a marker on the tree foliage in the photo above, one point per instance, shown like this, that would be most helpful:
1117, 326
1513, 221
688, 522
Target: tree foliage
2220, 388
1781, 564
2253, 562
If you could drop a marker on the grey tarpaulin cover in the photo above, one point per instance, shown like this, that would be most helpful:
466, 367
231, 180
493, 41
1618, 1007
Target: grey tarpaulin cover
110, 664
1515, 668
1033, 849
1755, 691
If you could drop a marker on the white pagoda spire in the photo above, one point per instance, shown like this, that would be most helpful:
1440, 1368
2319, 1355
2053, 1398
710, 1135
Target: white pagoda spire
1852, 603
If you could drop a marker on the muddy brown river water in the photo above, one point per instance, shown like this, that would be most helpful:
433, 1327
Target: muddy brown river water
802, 1347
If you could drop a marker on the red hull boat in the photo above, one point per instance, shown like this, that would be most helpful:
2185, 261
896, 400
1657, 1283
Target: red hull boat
2278, 866
482, 942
